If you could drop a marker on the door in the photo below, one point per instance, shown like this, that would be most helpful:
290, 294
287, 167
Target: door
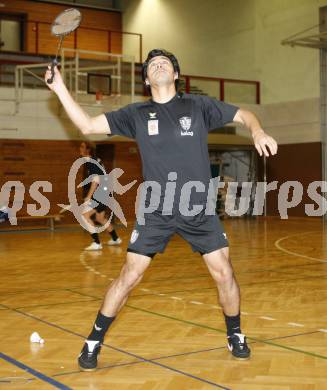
12, 32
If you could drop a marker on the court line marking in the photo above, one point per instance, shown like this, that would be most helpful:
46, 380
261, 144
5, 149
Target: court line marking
118, 365
89, 268
183, 354
260, 270
267, 318
295, 324
207, 275
220, 330
180, 320
54, 304
42, 229
218, 307
120, 350
278, 246
167, 279
223, 331
138, 362
292, 335
324, 276
244, 284
83, 261
35, 373
292, 324
15, 379
176, 319
153, 293
186, 353
37, 291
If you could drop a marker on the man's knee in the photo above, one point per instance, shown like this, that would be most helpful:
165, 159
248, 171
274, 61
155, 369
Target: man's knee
133, 270
88, 216
220, 266
100, 220
131, 275
224, 275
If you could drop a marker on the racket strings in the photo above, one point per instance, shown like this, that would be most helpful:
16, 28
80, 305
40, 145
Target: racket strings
66, 22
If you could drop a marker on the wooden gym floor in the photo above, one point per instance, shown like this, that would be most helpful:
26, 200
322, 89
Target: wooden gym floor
171, 333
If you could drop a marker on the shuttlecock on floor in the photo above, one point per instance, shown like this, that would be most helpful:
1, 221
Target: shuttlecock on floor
36, 338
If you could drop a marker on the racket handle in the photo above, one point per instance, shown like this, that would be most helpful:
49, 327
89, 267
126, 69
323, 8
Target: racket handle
53, 64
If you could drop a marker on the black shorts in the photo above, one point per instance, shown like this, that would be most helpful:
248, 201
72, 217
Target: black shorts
98, 207
204, 233
101, 207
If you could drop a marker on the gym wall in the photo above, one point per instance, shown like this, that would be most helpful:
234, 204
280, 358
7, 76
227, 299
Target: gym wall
294, 162
28, 161
87, 37
248, 48
236, 39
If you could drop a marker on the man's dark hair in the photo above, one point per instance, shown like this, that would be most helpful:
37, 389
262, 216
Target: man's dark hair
161, 52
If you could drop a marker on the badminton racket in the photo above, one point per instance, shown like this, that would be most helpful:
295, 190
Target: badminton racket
65, 23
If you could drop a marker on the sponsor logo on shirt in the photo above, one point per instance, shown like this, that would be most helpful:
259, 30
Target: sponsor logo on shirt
153, 115
153, 127
185, 123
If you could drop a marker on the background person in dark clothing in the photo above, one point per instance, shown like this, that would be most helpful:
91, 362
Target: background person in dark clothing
98, 213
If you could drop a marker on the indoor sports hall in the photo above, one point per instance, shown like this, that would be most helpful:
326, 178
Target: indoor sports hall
59, 252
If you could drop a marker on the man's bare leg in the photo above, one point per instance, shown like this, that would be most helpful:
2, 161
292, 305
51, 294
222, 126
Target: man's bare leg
115, 298
221, 270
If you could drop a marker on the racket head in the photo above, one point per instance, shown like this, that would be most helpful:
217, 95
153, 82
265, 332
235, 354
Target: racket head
66, 22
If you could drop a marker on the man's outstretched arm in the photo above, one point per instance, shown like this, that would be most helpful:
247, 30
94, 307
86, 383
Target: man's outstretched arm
262, 141
86, 124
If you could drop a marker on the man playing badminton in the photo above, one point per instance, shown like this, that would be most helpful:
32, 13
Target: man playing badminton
171, 131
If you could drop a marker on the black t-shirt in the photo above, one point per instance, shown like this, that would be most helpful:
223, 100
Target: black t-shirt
172, 137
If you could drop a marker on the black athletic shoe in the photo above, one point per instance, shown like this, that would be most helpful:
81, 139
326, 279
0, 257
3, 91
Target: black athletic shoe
238, 346
88, 358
